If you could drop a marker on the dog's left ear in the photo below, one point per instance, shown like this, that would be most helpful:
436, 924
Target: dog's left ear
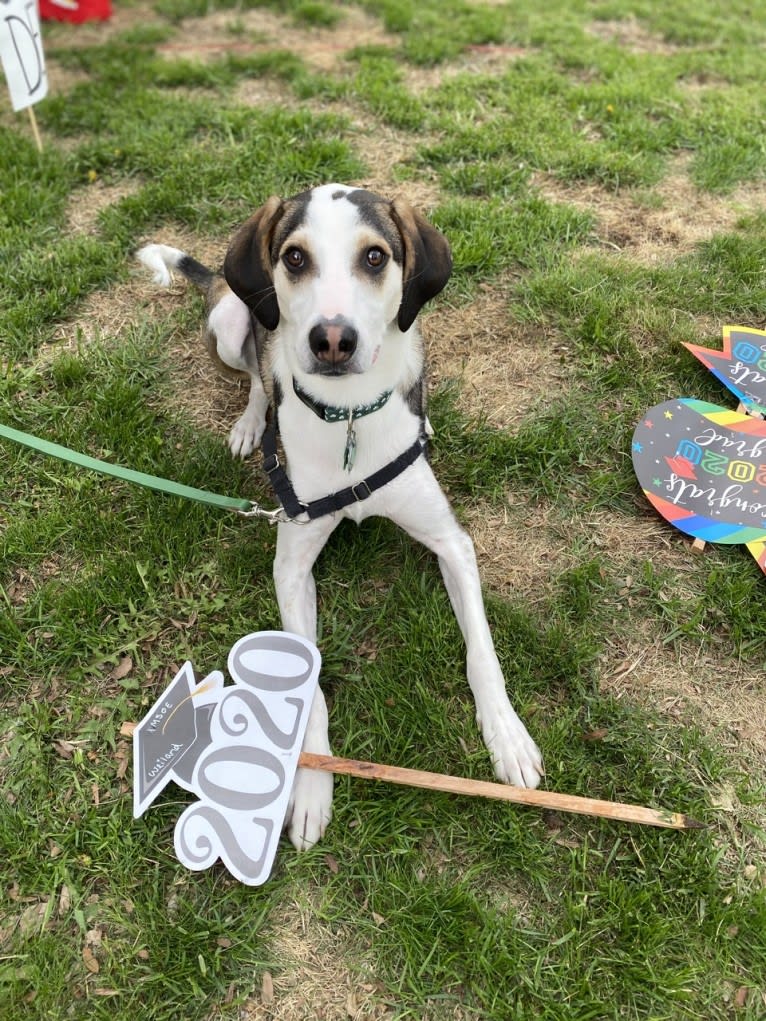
427, 261
247, 266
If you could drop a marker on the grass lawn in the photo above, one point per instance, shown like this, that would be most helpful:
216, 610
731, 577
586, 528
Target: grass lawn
600, 169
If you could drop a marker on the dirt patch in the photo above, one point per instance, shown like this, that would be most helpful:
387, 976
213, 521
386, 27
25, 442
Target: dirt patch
385, 150
631, 35
518, 550
102, 315
657, 227
112, 312
212, 401
476, 60
62, 79
504, 368
522, 548
85, 205
261, 92
729, 700
321, 48
316, 981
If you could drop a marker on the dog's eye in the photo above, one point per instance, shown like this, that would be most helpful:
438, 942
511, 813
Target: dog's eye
376, 258
294, 259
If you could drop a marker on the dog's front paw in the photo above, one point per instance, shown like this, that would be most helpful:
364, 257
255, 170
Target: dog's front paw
515, 756
310, 808
246, 434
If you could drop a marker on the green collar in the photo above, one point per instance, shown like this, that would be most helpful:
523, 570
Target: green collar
329, 413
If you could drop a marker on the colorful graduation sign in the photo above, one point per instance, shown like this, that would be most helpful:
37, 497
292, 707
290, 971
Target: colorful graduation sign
235, 747
704, 469
740, 366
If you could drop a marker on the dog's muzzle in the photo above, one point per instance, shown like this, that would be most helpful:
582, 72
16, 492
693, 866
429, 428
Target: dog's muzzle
333, 343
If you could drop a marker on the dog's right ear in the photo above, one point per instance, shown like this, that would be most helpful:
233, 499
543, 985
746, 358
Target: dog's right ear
247, 266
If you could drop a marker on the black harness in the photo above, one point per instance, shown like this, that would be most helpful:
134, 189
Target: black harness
360, 491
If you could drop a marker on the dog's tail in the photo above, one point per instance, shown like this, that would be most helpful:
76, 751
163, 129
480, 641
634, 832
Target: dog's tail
161, 260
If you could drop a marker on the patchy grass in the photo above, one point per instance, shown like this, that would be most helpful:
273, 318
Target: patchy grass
599, 171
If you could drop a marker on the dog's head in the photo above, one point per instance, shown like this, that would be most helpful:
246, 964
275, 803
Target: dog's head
337, 268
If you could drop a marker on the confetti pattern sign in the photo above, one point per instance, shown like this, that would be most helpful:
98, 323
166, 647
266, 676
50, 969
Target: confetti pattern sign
704, 469
741, 366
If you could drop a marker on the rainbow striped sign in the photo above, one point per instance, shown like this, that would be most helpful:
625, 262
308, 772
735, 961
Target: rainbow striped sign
704, 469
741, 366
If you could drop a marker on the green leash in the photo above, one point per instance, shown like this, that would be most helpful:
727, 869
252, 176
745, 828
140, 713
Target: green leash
247, 508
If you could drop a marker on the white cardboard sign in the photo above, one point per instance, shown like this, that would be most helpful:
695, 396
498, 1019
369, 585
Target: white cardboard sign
235, 747
21, 52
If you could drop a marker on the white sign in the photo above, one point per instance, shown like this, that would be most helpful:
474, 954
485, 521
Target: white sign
21, 52
235, 747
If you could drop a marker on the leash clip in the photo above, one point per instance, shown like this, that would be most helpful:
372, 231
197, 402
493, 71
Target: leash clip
274, 517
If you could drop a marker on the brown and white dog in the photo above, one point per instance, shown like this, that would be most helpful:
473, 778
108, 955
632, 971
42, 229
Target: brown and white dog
317, 303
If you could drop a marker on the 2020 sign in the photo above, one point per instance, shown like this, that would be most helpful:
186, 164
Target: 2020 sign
236, 747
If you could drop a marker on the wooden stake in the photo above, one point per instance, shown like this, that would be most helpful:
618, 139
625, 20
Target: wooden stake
35, 128
500, 791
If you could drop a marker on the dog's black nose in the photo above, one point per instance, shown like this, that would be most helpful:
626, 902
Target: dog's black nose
333, 342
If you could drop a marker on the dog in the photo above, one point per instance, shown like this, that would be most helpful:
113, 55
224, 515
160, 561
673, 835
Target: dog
317, 305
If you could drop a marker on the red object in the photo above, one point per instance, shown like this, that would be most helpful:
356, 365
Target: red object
75, 10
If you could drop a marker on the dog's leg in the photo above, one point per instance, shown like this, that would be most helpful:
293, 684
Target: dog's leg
298, 546
230, 329
430, 520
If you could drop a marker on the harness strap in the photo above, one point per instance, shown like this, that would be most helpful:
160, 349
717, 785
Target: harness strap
293, 507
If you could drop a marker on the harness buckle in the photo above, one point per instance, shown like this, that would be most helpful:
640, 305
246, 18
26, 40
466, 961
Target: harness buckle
271, 463
362, 495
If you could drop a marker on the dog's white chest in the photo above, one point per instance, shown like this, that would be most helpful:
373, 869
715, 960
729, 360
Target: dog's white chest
326, 457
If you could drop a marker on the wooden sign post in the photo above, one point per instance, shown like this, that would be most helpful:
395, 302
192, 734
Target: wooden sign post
236, 748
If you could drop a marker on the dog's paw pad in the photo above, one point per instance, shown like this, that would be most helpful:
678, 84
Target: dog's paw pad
310, 808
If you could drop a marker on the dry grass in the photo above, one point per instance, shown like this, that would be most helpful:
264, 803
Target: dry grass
504, 370
631, 35
323, 976
679, 217
477, 60
321, 48
727, 699
86, 204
